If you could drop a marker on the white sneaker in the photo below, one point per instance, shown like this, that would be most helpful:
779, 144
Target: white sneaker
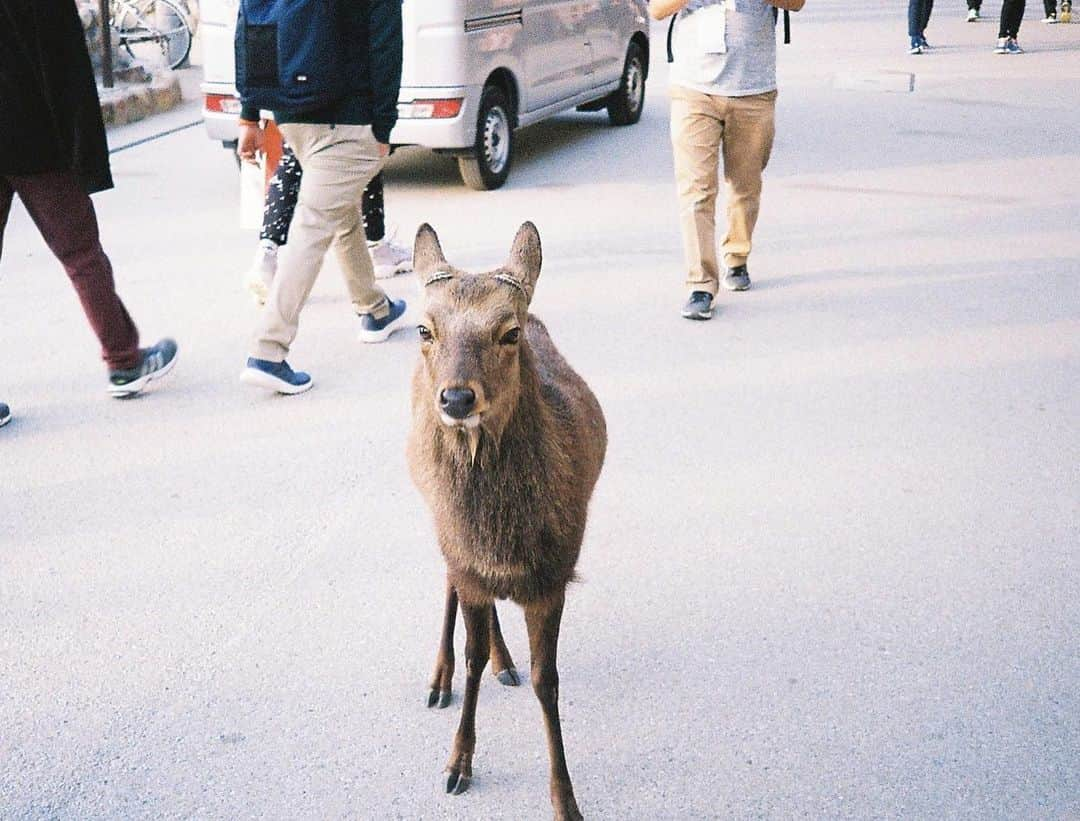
973, 16
1002, 45
1050, 18
262, 270
390, 258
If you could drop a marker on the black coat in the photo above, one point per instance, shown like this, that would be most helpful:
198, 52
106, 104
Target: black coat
50, 116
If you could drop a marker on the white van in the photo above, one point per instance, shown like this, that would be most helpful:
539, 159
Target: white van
475, 70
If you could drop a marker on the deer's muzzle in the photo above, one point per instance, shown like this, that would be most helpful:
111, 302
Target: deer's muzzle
457, 403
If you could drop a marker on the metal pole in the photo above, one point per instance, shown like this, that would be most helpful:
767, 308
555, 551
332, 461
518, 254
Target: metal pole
106, 45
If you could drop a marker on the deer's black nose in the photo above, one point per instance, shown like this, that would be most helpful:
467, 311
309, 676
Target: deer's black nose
457, 402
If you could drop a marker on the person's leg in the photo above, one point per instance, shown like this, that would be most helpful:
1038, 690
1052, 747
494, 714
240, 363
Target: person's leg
64, 214
388, 257
338, 163
373, 210
1012, 12
915, 19
928, 7
748, 138
281, 196
7, 194
1016, 16
974, 5
696, 131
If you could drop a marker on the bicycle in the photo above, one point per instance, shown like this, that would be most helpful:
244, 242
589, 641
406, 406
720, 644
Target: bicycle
152, 30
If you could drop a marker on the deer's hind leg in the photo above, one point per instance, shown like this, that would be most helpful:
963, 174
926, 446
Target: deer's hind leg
477, 623
442, 678
502, 666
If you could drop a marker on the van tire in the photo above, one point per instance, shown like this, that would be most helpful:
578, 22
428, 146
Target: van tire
628, 101
493, 153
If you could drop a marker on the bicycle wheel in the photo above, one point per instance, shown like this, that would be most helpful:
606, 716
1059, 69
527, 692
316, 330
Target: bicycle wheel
153, 31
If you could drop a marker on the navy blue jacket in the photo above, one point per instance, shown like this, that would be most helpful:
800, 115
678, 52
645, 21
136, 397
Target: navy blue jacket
371, 38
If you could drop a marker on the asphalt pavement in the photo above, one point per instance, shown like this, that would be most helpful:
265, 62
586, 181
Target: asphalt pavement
831, 569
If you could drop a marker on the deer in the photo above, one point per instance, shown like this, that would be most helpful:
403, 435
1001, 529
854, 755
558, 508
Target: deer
506, 445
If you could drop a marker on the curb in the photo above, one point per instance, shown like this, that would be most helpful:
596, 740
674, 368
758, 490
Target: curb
130, 103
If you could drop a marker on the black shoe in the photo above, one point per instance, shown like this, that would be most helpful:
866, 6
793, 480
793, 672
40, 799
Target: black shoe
5, 414
699, 306
154, 363
737, 278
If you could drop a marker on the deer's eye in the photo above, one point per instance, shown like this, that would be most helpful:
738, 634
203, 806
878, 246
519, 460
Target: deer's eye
511, 337
425, 333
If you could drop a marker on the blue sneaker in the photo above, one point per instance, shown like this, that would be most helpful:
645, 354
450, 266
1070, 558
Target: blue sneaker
379, 330
699, 306
154, 363
275, 376
5, 414
916, 46
922, 42
1013, 47
737, 278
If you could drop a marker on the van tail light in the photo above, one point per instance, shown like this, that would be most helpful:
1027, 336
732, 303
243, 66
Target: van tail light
430, 109
221, 104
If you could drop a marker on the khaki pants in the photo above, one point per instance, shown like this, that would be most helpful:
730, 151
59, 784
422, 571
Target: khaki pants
703, 125
338, 163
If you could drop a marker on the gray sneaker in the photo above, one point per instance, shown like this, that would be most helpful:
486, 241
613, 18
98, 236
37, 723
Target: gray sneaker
154, 363
699, 306
737, 278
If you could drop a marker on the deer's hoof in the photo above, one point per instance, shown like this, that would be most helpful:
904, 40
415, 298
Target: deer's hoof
457, 783
509, 677
569, 812
439, 698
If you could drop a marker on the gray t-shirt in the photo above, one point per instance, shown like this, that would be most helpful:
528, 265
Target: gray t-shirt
749, 64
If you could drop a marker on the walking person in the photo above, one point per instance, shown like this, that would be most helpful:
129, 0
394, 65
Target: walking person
53, 155
723, 101
341, 147
918, 15
388, 257
1052, 16
1012, 15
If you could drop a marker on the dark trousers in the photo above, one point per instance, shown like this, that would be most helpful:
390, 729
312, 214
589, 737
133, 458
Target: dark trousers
284, 190
975, 4
64, 214
918, 16
1012, 13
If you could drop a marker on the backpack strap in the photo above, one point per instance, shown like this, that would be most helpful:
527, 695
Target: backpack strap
670, 32
787, 23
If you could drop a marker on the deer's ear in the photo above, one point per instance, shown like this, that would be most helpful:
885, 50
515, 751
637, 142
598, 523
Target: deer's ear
526, 258
427, 253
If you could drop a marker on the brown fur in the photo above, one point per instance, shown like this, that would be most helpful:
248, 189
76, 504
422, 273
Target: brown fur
509, 495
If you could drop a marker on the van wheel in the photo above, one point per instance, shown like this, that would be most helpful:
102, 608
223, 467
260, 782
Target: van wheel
489, 165
627, 101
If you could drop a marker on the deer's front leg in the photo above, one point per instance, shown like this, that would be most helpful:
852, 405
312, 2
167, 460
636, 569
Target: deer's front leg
443, 678
502, 666
542, 619
477, 628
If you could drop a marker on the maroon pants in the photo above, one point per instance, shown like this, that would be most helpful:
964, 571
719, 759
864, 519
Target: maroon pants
65, 216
